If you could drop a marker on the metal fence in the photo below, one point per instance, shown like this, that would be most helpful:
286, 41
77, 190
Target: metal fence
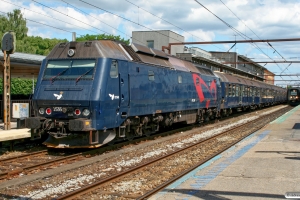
31, 112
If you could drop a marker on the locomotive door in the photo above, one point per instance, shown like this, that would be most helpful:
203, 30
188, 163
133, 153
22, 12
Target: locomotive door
123, 89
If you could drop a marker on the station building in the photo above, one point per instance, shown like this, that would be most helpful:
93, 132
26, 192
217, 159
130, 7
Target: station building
23, 66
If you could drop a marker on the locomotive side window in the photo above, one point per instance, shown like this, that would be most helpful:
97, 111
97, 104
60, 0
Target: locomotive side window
179, 79
151, 75
114, 69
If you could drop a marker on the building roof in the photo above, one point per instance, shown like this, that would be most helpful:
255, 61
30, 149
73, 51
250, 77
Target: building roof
249, 60
18, 57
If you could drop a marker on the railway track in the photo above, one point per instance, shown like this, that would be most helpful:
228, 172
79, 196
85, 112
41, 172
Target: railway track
147, 178
31, 163
27, 163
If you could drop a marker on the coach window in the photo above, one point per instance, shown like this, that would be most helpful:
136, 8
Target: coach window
237, 93
179, 79
229, 91
233, 90
151, 75
242, 90
114, 69
226, 90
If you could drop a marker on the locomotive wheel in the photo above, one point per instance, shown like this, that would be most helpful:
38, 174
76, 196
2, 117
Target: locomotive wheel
146, 132
130, 136
111, 143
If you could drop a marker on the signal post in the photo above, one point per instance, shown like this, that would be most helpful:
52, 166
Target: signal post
8, 47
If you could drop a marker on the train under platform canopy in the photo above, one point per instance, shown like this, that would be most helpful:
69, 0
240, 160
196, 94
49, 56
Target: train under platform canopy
23, 65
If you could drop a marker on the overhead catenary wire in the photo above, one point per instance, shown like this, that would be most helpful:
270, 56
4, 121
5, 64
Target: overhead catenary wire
96, 18
166, 21
234, 29
128, 20
256, 35
48, 16
44, 24
101, 21
71, 17
249, 28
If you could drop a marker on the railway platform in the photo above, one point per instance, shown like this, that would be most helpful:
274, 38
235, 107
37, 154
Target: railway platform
13, 134
265, 165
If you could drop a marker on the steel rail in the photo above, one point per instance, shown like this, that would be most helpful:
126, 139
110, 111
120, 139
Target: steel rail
97, 184
160, 187
27, 169
23, 156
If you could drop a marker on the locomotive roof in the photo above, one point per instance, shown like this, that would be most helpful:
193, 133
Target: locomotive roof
117, 50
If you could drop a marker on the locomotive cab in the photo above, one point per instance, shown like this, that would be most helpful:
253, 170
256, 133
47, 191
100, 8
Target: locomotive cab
293, 96
71, 94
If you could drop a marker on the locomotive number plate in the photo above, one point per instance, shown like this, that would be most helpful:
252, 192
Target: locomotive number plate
57, 109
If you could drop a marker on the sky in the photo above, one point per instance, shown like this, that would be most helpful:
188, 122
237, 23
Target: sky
196, 20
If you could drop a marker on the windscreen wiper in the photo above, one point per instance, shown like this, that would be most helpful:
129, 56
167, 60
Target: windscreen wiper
85, 73
60, 73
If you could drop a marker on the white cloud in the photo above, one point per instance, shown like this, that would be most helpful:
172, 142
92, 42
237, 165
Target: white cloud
258, 19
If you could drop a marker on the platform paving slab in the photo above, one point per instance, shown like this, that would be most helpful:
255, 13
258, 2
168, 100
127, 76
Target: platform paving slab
267, 168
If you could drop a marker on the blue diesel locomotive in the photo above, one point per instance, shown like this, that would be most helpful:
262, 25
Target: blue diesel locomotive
91, 93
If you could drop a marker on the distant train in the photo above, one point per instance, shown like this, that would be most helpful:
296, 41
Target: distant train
293, 96
92, 93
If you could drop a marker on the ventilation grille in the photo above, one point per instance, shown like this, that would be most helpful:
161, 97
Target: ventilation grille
132, 53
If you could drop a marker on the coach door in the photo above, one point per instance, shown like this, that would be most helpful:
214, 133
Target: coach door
241, 94
124, 89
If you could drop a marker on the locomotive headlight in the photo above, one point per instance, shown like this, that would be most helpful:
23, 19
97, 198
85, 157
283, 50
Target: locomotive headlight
77, 112
42, 111
48, 111
86, 112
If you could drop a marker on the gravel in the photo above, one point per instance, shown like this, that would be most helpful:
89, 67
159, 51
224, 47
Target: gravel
65, 182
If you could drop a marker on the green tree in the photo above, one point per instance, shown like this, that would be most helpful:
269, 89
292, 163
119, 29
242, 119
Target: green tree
17, 23
34, 44
88, 37
13, 22
19, 86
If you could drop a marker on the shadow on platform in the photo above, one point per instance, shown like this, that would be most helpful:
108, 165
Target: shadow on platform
217, 195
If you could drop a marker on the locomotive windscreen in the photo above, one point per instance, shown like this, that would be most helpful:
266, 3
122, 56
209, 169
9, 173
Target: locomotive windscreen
70, 69
294, 92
